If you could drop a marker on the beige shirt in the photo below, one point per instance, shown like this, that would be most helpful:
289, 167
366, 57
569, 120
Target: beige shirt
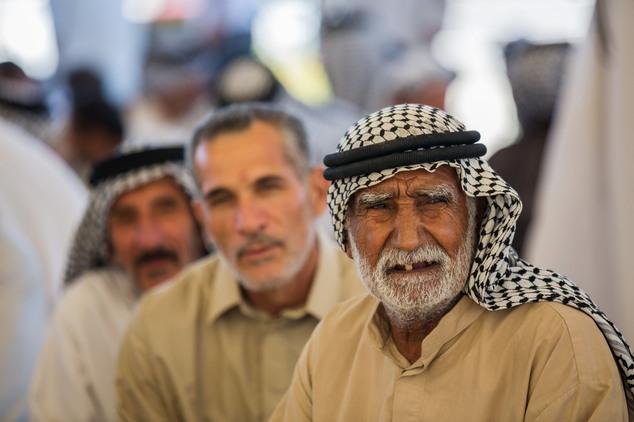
536, 362
197, 351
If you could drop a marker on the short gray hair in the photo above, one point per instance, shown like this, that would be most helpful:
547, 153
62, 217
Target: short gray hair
238, 117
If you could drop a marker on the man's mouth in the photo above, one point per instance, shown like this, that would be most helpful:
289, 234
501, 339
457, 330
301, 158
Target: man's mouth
416, 266
258, 251
157, 257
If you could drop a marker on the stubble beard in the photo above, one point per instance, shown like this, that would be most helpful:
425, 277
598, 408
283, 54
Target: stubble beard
283, 277
418, 296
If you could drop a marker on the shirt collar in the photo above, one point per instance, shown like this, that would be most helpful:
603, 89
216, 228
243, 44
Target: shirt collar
323, 294
225, 291
324, 291
461, 316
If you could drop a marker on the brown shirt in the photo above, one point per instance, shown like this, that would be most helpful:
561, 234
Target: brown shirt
536, 362
196, 350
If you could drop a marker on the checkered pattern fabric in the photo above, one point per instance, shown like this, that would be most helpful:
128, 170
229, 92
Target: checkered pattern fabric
499, 279
90, 246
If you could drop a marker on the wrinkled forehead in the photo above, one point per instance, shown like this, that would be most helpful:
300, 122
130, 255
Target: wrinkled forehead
413, 183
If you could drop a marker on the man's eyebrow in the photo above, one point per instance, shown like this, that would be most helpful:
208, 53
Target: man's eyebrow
437, 192
217, 192
119, 210
366, 198
272, 178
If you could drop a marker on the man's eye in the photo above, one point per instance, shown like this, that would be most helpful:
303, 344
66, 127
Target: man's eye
124, 218
219, 200
438, 200
166, 206
269, 185
374, 207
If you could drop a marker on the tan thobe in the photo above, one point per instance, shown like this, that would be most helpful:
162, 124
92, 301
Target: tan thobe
196, 351
537, 362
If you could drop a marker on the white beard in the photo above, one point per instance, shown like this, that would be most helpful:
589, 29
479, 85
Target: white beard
411, 295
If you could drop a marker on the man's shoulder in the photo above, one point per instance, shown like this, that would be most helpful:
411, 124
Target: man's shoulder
579, 327
89, 287
552, 325
553, 315
347, 319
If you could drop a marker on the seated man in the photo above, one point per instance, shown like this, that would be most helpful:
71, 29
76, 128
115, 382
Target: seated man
239, 320
138, 231
456, 326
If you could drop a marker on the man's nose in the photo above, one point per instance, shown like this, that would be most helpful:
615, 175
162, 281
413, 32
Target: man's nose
250, 218
148, 233
407, 226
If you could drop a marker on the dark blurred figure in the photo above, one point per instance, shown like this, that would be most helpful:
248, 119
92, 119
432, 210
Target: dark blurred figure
246, 79
95, 125
172, 103
22, 101
534, 72
377, 55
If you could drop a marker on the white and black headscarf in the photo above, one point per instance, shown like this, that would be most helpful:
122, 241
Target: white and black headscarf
110, 179
411, 137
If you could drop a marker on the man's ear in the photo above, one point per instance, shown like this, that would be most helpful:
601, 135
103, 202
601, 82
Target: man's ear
347, 245
317, 189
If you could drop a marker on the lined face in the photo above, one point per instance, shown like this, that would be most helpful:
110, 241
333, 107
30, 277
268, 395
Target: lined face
412, 237
152, 232
256, 209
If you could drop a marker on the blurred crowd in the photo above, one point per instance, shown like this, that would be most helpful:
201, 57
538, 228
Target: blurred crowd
170, 74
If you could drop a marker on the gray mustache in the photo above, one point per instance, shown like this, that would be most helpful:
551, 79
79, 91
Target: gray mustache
259, 240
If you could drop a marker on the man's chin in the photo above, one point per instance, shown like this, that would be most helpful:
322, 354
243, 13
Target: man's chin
262, 285
147, 279
415, 303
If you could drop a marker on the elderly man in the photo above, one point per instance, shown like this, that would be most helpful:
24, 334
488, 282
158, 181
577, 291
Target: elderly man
456, 326
139, 231
239, 320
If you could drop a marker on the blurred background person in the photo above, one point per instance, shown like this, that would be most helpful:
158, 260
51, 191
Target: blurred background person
23, 101
535, 72
94, 127
584, 224
246, 79
239, 318
138, 232
173, 100
41, 202
99, 35
365, 42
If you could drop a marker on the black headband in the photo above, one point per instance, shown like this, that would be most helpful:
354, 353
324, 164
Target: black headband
124, 163
403, 152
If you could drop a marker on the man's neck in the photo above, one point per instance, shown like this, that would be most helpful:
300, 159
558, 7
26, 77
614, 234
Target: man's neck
408, 334
291, 294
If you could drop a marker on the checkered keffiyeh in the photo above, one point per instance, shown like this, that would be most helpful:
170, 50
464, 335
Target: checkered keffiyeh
90, 246
499, 279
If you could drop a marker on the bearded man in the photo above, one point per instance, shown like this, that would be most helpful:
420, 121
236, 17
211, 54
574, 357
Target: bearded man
456, 325
138, 232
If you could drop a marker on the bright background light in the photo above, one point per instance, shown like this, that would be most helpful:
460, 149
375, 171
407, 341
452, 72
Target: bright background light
286, 38
143, 11
470, 43
27, 36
